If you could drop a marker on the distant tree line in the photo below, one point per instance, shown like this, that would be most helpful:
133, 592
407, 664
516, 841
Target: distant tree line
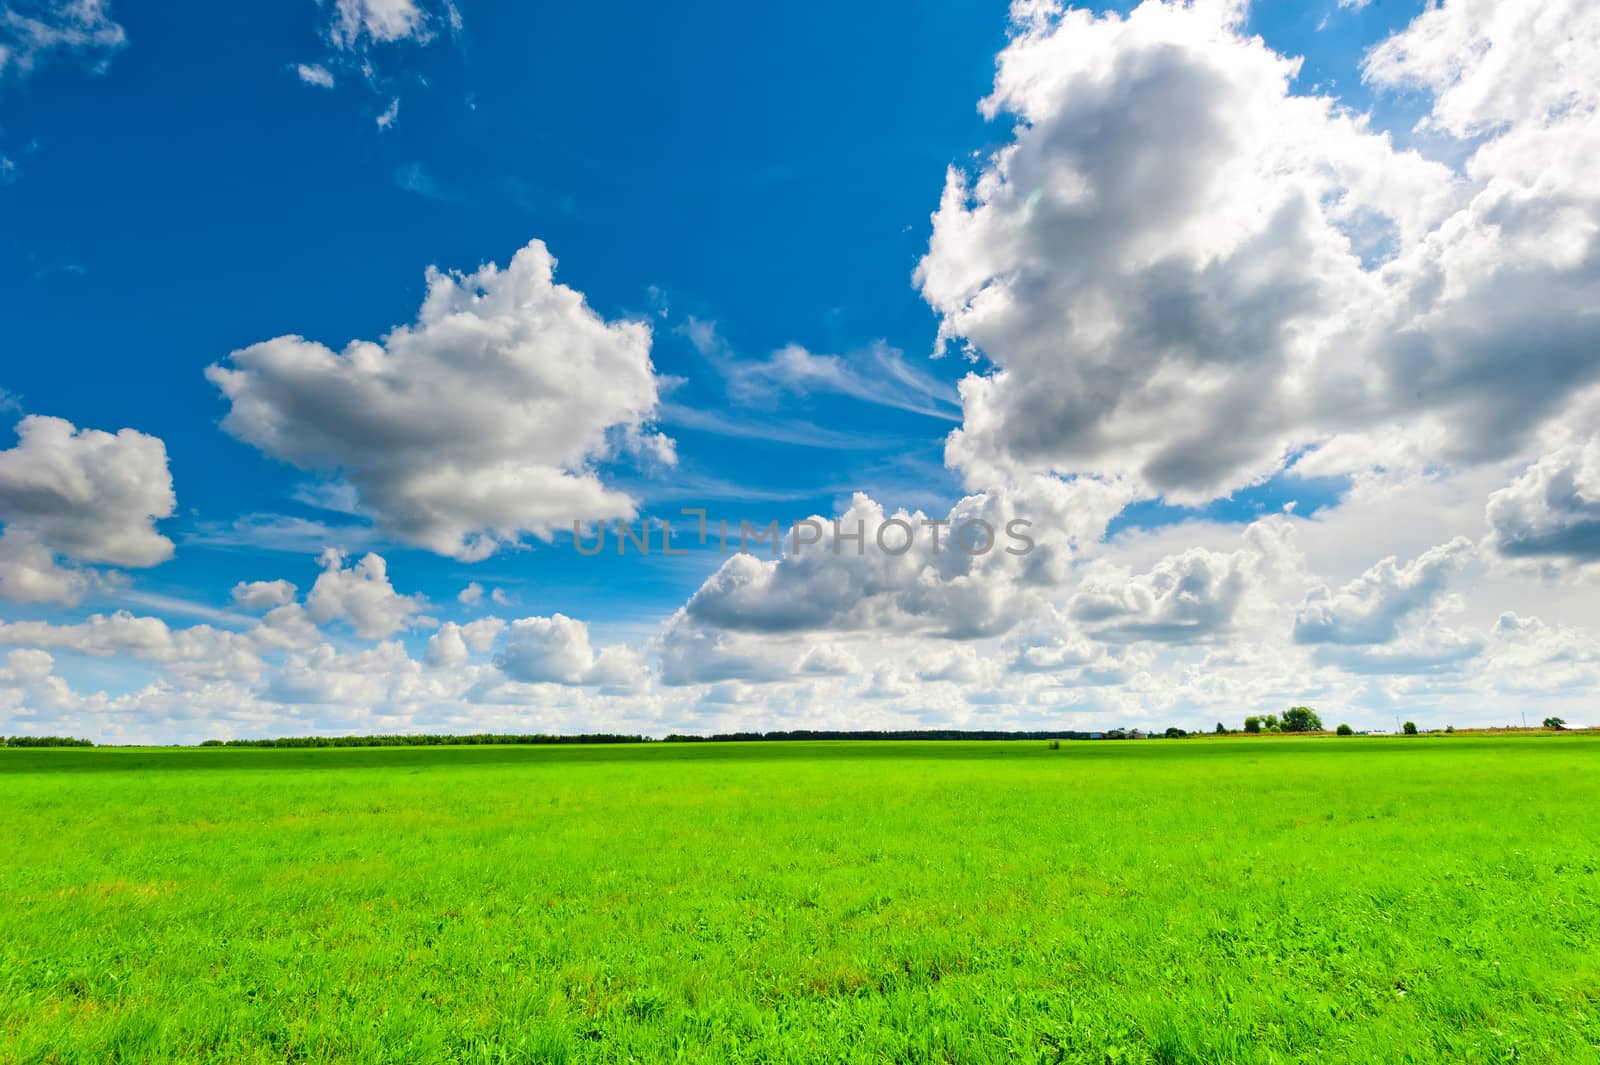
483, 739
43, 741
874, 734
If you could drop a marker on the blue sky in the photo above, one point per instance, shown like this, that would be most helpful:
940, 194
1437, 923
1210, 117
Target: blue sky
740, 179
770, 171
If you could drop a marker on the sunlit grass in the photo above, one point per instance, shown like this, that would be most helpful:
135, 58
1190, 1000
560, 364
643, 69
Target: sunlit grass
1376, 900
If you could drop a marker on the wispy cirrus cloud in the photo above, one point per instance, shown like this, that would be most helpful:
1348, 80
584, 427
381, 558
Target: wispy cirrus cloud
278, 533
33, 31
877, 374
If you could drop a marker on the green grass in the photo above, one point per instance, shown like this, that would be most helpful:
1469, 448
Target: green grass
1328, 900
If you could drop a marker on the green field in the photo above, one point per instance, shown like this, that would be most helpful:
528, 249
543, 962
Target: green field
1230, 900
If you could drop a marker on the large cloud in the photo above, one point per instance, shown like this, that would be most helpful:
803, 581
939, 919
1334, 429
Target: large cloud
83, 495
1371, 608
1552, 511
197, 651
1184, 272
1192, 597
556, 650
974, 572
362, 596
476, 426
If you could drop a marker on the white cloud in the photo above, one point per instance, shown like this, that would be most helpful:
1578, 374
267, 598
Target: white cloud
315, 74
1493, 64
357, 22
556, 650
363, 33
471, 429
446, 649
279, 532
196, 651
828, 660
1445, 651
1371, 608
454, 645
362, 596
33, 30
1182, 276
1527, 656
82, 495
1192, 597
970, 572
1183, 272
878, 375
27, 666
1552, 511
263, 595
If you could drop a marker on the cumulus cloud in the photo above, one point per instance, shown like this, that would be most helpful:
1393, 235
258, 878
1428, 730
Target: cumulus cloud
32, 30
476, 426
1052, 645
1491, 65
199, 650
361, 596
325, 675
971, 573
1371, 608
1191, 597
263, 595
454, 645
27, 666
1528, 656
691, 652
556, 650
82, 495
1176, 276
967, 573
1552, 511
827, 660
1183, 272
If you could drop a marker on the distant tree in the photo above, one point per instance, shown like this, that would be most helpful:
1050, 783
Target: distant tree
1556, 723
1221, 729
1449, 728
1273, 728
1175, 733
1410, 728
1301, 719
1345, 730
1270, 722
1252, 724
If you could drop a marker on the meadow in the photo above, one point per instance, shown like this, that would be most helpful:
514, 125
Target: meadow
1226, 900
